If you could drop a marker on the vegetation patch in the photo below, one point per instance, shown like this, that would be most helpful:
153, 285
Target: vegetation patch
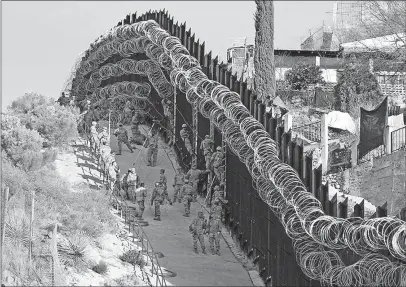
133, 257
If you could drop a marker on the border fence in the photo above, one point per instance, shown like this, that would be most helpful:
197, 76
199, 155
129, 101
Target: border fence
259, 232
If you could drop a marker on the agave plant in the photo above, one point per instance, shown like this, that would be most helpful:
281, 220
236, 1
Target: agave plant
17, 228
72, 250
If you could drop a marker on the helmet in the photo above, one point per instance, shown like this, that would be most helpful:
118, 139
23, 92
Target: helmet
207, 136
156, 183
218, 148
162, 170
120, 124
184, 126
186, 180
216, 187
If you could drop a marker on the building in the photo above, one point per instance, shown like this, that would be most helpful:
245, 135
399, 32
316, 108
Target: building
241, 61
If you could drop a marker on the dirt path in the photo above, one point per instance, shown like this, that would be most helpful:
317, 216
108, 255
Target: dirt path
171, 235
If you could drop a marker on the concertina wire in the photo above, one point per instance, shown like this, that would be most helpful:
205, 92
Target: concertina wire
315, 235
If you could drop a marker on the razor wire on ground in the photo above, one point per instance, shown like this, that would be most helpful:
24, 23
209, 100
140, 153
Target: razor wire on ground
108, 166
315, 235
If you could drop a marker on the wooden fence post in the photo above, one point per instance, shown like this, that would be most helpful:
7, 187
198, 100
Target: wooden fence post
31, 224
3, 227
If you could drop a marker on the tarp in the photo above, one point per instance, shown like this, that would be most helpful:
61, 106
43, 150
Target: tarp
342, 121
372, 127
396, 122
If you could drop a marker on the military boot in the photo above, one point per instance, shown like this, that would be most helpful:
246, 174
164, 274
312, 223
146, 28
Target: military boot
195, 250
213, 252
218, 252
204, 251
158, 218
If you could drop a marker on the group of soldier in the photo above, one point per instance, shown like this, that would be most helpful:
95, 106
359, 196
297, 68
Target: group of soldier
129, 186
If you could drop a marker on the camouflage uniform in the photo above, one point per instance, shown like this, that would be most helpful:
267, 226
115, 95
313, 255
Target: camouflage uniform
218, 199
197, 228
132, 182
122, 135
193, 175
152, 150
184, 134
127, 111
207, 147
104, 136
179, 182
141, 194
214, 235
124, 186
216, 211
157, 199
186, 194
216, 163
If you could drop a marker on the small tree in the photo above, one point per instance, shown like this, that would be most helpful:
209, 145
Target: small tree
264, 66
356, 87
55, 123
22, 146
302, 75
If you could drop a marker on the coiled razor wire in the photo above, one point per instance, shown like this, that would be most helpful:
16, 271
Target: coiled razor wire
277, 183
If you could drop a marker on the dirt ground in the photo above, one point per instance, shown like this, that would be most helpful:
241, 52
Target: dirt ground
171, 235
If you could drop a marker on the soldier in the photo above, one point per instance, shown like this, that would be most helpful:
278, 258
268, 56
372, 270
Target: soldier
141, 194
218, 199
194, 176
72, 102
184, 134
157, 200
122, 136
162, 179
207, 147
132, 182
197, 228
104, 136
93, 134
124, 185
216, 164
152, 149
186, 194
165, 192
216, 211
214, 235
218, 196
63, 99
127, 111
179, 182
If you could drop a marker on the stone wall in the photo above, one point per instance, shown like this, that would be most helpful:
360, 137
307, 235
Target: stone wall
381, 181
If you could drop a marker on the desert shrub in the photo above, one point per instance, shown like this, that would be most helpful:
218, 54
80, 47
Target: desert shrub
100, 268
72, 250
133, 257
56, 124
23, 147
302, 75
356, 87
